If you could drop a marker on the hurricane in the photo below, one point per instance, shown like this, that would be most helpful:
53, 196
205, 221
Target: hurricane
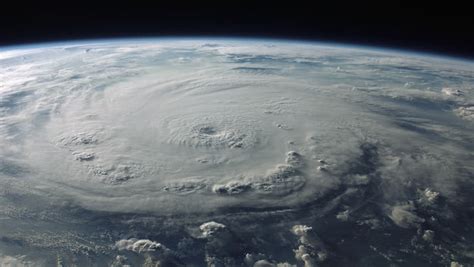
234, 152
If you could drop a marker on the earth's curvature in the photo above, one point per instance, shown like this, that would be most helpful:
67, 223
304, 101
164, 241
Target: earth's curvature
193, 152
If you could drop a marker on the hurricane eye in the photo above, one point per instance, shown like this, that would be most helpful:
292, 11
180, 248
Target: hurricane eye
208, 130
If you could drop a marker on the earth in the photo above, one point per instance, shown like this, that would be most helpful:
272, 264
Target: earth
234, 152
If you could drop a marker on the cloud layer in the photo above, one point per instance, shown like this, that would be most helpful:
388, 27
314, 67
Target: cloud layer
240, 133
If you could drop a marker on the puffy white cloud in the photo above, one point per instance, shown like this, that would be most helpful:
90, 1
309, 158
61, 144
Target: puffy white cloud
301, 231
259, 260
209, 229
430, 195
311, 250
153, 253
303, 254
263, 263
139, 245
343, 215
452, 91
120, 261
251, 258
428, 235
231, 188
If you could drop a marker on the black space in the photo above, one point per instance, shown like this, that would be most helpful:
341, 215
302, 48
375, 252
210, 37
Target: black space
442, 29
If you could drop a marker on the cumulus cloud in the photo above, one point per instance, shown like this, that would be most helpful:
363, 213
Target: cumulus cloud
231, 188
153, 253
428, 235
343, 215
456, 264
452, 91
311, 250
210, 229
120, 261
259, 260
139, 245
429, 195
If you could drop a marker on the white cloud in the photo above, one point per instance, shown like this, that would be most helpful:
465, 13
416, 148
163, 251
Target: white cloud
405, 216
209, 229
231, 188
452, 91
428, 235
456, 264
343, 215
139, 245
466, 112
311, 250
430, 195
16, 261
171, 128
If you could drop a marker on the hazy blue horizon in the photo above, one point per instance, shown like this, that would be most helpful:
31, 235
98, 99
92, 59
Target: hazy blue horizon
321, 43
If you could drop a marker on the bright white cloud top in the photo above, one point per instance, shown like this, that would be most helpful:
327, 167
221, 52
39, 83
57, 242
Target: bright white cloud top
197, 130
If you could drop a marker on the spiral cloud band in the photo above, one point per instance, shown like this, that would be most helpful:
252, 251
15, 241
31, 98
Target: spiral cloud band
275, 135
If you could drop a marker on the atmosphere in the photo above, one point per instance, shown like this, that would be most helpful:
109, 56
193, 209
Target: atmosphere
257, 144
431, 27
342, 140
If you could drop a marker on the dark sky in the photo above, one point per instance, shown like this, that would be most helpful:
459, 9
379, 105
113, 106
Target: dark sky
445, 28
